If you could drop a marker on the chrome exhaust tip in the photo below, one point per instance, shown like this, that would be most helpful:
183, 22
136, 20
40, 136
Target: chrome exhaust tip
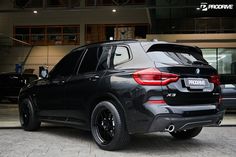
170, 128
219, 122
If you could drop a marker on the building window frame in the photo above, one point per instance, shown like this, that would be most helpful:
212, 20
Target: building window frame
49, 36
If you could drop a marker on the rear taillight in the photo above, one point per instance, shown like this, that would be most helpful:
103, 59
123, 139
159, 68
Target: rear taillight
154, 102
153, 76
215, 79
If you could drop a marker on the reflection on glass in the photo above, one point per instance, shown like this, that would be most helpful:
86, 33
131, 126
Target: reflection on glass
227, 61
38, 35
121, 55
57, 3
22, 33
224, 61
210, 56
181, 58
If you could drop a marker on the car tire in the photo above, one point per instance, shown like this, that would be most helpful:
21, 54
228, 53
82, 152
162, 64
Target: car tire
186, 134
28, 116
108, 126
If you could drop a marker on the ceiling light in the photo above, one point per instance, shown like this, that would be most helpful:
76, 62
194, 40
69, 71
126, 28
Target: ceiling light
35, 11
111, 38
113, 10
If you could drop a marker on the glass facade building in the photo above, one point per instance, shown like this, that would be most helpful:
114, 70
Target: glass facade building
223, 59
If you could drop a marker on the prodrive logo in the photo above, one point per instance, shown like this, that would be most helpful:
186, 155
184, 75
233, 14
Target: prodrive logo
204, 6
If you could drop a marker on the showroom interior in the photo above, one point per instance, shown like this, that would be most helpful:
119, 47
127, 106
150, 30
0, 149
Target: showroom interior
36, 34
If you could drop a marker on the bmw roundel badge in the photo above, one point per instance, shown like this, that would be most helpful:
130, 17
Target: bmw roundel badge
197, 71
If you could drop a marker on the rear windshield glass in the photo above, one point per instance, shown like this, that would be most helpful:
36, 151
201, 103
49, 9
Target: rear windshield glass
176, 55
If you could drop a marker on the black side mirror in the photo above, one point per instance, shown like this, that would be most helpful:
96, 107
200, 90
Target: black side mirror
44, 73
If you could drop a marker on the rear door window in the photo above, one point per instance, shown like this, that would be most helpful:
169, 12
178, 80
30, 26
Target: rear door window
173, 55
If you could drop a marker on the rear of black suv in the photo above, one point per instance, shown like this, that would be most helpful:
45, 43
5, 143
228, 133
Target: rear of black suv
171, 88
182, 91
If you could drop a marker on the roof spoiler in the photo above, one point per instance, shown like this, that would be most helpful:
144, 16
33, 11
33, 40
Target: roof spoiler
199, 50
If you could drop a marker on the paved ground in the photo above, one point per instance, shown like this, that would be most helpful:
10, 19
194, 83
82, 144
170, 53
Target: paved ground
67, 142
54, 141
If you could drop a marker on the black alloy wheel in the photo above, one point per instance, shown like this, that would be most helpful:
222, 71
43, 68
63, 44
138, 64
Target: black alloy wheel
108, 126
28, 116
25, 115
105, 126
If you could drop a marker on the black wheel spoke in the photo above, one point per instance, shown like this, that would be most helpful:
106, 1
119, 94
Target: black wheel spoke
99, 125
105, 127
28, 119
110, 133
25, 114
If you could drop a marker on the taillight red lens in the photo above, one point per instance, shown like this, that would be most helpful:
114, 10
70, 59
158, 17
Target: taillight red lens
215, 79
153, 76
154, 102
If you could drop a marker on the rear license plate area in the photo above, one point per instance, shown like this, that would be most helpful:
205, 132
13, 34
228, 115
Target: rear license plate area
196, 83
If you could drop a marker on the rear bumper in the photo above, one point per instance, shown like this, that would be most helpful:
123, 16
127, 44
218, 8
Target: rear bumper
157, 118
161, 122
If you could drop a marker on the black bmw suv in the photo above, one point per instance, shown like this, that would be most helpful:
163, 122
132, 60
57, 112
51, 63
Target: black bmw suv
120, 88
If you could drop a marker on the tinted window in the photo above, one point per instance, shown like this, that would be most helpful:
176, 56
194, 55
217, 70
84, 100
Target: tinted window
175, 55
104, 60
3, 80
121, 55
67, 65
30, 78
90, 60
15, 80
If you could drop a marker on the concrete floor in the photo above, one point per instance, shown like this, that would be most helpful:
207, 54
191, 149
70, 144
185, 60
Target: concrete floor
68, 142
51, 141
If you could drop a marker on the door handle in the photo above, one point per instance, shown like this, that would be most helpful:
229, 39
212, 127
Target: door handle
94, 78
59, 82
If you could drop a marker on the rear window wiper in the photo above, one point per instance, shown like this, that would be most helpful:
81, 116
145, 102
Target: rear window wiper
199, 62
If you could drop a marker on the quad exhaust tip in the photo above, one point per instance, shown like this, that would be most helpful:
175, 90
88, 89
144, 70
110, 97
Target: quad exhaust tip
170, 128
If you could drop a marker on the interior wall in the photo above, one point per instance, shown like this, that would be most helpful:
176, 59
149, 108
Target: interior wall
73, 17
4, 24
49, 55
39, 56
